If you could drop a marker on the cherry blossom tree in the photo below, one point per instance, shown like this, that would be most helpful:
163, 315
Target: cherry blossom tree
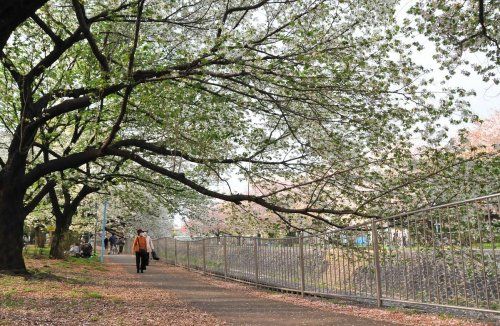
322, 94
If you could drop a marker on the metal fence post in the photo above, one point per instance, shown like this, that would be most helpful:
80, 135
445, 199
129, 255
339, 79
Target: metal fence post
187, 250
301, 262
256, 259
224, 243
175, 252
376, 261
204, 256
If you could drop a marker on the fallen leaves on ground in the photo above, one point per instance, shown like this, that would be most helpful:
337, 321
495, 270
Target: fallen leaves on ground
86, 293
400, 316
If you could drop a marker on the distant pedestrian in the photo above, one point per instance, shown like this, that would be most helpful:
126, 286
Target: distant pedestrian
106, 242
112, 244
150, 246
140, 249
121, 243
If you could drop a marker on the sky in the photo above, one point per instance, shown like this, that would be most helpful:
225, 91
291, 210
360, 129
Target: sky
487, 100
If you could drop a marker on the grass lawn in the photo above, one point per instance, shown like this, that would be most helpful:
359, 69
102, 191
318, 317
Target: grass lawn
34, 252
488, 245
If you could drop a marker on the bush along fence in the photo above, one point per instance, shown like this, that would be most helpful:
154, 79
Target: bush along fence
445, 256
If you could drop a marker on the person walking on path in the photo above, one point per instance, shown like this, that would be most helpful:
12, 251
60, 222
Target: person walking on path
112, 244
121, 243
150, 246
106, 241
139, 247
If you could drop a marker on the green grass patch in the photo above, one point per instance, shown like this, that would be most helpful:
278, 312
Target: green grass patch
88, 264
63, 264
94, 295
445, 316
75, 294
43, 273
86, 294
32, 251
91, 263
10, 301
487, 245
7, 280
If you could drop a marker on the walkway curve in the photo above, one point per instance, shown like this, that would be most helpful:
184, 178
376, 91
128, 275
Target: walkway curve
233, 307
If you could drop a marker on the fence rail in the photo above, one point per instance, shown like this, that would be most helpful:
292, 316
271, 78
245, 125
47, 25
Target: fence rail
446, 256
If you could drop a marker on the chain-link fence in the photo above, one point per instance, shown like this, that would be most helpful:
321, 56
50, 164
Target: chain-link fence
443, 256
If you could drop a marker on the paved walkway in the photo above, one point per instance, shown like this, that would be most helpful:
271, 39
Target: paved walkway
233, 307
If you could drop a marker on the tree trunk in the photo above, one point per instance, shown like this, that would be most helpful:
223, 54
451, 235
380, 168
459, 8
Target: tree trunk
61, 238
40, 236
13, 13
64, 217
12, 210
11, 232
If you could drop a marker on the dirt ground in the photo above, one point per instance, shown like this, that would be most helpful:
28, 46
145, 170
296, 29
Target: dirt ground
82, 292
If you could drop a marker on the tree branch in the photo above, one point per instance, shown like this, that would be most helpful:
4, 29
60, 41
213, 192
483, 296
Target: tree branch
46, 28
61, 164
73, 104
9, 65
157, 149
13, 13
128, 90
234, 198
36, 200
82, 20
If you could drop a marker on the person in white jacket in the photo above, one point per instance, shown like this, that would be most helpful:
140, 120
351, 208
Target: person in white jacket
150, 246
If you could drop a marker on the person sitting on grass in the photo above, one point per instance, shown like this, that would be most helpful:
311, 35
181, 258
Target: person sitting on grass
75, 250
86, 250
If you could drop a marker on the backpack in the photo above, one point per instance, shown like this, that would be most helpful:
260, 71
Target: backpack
141, 242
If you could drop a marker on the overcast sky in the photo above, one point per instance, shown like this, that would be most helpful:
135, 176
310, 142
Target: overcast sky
487, 100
